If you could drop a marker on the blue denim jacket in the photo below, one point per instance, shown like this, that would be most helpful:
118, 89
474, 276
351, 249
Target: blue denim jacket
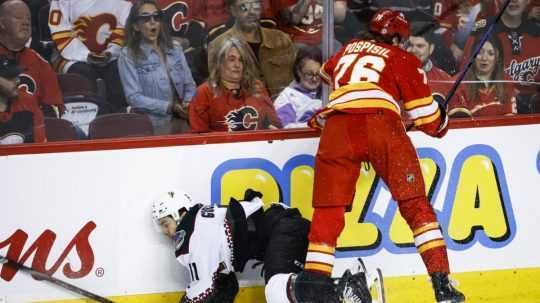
146, 83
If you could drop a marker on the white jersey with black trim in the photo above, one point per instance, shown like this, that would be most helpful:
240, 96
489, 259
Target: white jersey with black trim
205, 248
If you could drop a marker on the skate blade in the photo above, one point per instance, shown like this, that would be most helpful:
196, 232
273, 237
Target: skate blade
376, 287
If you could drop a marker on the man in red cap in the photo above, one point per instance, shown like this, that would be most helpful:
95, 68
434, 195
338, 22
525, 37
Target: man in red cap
373, 81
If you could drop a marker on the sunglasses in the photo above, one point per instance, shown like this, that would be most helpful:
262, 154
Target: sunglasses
146, 17
252, 5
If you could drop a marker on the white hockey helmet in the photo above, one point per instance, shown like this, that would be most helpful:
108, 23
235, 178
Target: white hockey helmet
170, 204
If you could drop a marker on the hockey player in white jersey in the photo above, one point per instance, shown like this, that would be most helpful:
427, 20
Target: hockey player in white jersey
212, 243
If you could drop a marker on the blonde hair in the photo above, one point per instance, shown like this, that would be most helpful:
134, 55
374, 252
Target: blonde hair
250, 77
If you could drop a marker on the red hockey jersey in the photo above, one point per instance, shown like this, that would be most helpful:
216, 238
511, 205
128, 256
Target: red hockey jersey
10, 129
38, 78
227, 112
487, 103
370, 76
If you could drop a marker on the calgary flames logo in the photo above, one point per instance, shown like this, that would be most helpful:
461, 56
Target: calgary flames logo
177, 15
243, 118
27, 83
95, 32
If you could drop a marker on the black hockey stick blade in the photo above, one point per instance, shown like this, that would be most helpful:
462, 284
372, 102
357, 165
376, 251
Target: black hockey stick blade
470, 62
6, 262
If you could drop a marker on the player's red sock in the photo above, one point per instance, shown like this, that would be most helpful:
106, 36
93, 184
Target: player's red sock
327, 224
431, 246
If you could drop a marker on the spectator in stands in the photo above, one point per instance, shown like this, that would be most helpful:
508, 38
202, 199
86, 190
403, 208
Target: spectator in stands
453, 24
38, 78
302, 98
520, 38
423, 46
21, 121
88, 36
485, 97
273, 49
232, 99
215, 18
154, 72
218, 19
302, 19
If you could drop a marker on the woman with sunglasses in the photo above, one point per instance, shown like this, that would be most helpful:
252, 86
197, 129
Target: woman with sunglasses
302, 98
156, 78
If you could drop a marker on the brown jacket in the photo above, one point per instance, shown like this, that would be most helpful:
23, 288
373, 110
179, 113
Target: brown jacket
276, 54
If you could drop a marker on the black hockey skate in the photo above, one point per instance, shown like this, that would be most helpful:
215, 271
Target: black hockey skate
311, 287
444, 291
353, 288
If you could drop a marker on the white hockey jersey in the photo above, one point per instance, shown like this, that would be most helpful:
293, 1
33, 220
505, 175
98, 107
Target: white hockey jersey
203, 245
79, 27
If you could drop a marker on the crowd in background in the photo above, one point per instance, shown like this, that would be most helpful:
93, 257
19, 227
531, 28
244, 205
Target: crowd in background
88, 69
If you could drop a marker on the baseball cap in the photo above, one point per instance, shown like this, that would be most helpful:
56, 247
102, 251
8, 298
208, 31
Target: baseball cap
9, 68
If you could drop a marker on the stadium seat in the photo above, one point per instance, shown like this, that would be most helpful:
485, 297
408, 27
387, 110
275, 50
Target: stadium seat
59, 130
74, 84
83, 109
120, 125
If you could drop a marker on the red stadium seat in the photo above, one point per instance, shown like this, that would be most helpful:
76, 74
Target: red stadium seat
120, 125
74, 84
59, 130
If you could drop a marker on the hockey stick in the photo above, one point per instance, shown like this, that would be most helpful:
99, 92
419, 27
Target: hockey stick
470, 62
6, 262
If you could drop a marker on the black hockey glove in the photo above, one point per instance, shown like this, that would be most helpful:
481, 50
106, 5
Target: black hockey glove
250, 194
443, 127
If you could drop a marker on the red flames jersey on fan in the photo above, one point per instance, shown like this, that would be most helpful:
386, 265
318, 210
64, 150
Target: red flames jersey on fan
520, 49
371, 76
226, 112
309, 31
487, 103
25, 103
38, 78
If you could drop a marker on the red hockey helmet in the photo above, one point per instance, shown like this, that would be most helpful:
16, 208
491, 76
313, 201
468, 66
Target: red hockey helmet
388, 23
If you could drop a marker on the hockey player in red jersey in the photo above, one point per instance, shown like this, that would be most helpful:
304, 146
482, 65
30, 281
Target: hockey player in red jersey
372, 79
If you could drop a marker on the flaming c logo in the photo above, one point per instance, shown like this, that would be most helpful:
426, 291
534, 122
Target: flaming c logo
244, 118
177, 14
41, 249
95, 32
